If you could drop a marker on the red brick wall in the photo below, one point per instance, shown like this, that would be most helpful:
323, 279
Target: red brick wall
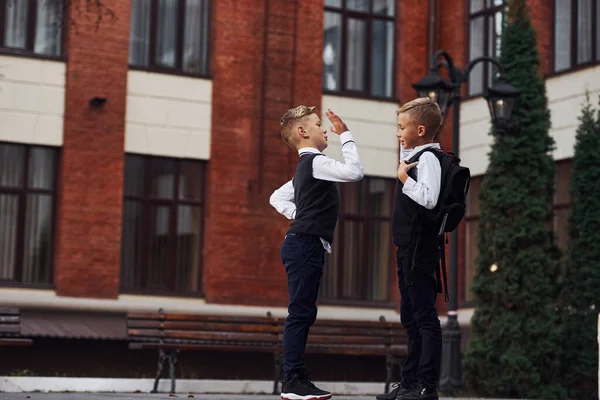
412, 58
452, 36
88, 240
248, 158
542, 18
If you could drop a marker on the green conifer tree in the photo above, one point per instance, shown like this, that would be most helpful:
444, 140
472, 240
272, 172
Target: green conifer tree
580, 297
514, 348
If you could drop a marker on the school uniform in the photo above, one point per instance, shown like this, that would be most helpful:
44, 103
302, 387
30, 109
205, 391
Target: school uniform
311, 201
417, 258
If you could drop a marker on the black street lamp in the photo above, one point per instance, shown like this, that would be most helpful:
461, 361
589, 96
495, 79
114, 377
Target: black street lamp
501, 99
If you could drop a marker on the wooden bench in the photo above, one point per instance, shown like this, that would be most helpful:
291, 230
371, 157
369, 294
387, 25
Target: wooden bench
10, 328
368, 338
172, 333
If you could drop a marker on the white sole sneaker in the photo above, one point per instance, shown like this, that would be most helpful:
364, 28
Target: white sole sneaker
292, 396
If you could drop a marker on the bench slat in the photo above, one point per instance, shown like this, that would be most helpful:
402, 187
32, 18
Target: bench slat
347, 340
359, 324
10, 329
321, 330
198, 335
202, 346
9, 319
200, 318
15, 342
356, 350
208, 326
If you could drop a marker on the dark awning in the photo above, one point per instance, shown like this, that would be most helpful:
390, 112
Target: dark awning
76, 325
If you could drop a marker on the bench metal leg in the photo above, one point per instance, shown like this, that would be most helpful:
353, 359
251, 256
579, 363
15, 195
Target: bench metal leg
173, 358
159, 370
277, 361
390, 361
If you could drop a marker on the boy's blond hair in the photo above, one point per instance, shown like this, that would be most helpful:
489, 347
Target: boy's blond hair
290, 120
425, 112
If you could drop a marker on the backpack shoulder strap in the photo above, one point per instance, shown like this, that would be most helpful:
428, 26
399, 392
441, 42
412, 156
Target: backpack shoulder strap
437, 152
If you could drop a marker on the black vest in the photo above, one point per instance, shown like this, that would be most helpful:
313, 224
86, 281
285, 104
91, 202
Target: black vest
317, 202
405, 220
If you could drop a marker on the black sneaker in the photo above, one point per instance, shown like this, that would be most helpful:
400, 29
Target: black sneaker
420, 392
302, 388
398, 390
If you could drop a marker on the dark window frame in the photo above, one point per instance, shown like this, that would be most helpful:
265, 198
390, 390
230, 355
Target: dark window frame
574, 64
367, 219
367, 17
31, 31
471, 218
153, 37
147, 201
557, 205
488, 11
22, 192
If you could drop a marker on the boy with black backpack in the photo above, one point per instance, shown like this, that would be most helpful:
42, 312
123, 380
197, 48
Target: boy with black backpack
429, 201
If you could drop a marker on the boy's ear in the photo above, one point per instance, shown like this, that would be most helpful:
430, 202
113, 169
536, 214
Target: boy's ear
421, 131
302, 132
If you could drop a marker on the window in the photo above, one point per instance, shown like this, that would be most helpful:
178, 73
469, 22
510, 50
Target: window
162, 225
31, 26
562, 203
576, 33
358, 47
472, 234
27, 203
560, 226
486, 18
359, 267
170, 35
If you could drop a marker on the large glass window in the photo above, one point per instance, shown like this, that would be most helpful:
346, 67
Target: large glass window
170, 35
163, 216
27, 204
358, 270
31, 26
486, 18
576, 33
358, 52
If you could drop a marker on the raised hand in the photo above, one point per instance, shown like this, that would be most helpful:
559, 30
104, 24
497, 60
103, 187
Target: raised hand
339, 126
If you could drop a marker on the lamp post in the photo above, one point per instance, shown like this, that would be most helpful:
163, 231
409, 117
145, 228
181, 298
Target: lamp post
501, 99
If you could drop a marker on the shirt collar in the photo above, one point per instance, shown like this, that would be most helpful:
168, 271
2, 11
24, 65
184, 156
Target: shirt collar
305, 150
407, 153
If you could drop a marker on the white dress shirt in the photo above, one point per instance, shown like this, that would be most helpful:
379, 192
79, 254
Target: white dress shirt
425, 191
324, 168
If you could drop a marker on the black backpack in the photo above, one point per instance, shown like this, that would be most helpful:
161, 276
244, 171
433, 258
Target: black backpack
451, 205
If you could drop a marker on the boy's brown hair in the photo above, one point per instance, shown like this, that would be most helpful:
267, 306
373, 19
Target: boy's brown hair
425, 112
290, 119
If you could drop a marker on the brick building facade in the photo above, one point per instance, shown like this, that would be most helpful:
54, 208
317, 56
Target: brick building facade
138, 153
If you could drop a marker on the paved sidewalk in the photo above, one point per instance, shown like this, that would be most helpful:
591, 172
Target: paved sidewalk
144, 396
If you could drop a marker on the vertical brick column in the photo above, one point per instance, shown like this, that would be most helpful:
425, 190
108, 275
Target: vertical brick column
88, 241
451, 22
412, 61
542, 18
412, 33
266, 57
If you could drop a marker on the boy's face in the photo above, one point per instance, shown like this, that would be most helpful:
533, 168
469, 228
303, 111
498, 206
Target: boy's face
409, 133
311, 133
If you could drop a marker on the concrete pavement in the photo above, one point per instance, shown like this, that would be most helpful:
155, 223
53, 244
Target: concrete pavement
145, 396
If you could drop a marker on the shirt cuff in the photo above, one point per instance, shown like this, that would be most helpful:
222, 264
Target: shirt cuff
346, 137
409, 185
